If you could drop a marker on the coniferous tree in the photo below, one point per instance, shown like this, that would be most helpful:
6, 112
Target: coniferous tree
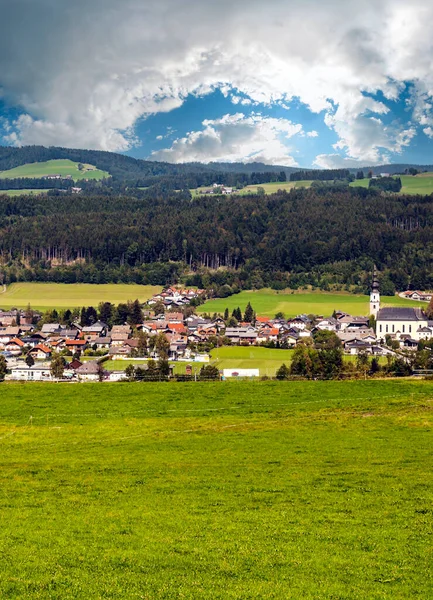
3, 368
30, 361
135, 313
283, 372
249, 313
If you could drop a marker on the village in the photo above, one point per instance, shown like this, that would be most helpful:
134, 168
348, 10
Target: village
171, 331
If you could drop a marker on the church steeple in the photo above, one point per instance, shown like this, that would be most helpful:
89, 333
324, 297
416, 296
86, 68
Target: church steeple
375, 295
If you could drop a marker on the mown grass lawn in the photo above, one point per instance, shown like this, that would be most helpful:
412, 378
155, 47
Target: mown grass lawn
268, 302
268, 360
45, 296
216, 490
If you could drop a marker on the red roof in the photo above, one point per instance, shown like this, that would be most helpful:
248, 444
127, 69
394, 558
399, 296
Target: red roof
43, 348
179, 327
262, 319
75, 342
16, 341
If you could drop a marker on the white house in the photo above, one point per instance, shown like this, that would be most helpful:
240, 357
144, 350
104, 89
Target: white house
241, 373
35, 373
89, 371
397, 321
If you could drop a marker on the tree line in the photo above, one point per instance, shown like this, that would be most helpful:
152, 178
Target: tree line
308, 236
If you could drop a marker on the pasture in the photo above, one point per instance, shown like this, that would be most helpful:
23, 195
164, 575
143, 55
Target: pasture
268, 302
26, 192
268, 360
411, 184
216, 490
46, 296
270, 188
54, 167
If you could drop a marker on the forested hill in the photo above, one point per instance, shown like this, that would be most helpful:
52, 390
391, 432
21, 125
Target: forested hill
305, 236
124, 167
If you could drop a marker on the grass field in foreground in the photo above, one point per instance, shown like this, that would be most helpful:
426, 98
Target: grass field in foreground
54, 167
268, 302
44, 296
229, 490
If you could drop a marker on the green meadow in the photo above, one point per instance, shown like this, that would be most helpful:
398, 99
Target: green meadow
267, 360
270, 188
54, 167
45, 296
27, 192
297, 490
268, 302
411, 184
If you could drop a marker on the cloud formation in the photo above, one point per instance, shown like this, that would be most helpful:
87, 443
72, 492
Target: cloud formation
235, 138
84, 72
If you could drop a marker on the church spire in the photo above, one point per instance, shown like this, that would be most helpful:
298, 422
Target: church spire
375, 286
375, 294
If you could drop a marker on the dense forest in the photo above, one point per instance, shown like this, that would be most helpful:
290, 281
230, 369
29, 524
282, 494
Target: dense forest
124, 167
35, 183
321, 236
322, 175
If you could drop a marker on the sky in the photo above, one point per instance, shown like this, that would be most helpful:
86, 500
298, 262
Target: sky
309, 83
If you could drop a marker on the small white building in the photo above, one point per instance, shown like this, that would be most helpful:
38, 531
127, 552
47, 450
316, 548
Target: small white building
89, 371
35, 373
228, 373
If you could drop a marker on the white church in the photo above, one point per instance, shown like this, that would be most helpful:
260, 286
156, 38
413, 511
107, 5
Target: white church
398, 322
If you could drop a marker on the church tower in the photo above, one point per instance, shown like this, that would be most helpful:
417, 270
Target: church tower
375, 295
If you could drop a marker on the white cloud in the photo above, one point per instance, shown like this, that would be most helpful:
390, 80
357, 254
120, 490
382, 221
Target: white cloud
235, 138
97, 66
312, 134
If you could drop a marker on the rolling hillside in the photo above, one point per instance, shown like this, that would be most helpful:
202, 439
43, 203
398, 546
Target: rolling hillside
411, 184
63, 167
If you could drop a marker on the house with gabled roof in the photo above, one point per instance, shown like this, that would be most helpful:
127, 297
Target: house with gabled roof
15, 346
41, 352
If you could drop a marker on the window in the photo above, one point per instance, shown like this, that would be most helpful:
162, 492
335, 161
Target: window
410, 328
387, 329
403, 328
393, 328
380, 328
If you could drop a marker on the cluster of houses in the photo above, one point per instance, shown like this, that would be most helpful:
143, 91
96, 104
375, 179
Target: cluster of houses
218, 189
417, 295
174, 298
188, 335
